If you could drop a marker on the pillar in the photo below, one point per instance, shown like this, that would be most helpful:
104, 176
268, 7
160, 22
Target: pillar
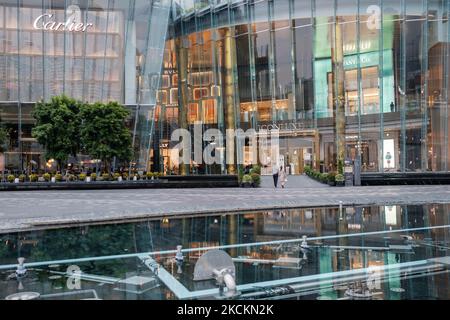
229, 63
182, 50
337, 56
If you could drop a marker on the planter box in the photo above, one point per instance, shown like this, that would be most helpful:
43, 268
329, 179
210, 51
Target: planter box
246, 185
340, 183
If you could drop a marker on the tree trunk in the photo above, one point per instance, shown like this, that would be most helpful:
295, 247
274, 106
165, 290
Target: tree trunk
339, 94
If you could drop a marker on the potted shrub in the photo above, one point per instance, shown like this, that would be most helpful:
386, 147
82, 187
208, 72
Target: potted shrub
247, 181
317, 175
33, 177
93, 176
255, 169
324, 178
47, 177
105, 177
256, 179
22, 178
82, 177
340, 180
307, 170
150, 176
58, 177
117, 176
11, 178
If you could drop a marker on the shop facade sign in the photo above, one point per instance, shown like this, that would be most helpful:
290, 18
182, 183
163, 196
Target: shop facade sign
48, 22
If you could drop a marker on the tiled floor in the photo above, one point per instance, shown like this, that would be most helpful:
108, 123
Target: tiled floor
25, 210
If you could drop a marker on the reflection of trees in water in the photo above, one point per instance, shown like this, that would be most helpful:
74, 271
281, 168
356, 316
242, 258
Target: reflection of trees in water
72, 244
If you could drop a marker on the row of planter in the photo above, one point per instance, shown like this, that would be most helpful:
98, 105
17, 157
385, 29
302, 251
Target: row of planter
82, 177
331, 178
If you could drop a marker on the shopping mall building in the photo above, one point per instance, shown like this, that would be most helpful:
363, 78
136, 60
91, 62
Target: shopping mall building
337, 79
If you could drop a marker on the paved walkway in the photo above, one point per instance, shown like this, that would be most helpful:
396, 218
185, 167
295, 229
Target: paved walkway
296, 182
33, 210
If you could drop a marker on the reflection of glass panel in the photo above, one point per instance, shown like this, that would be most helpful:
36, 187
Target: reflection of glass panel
370, 95
200, 93
283, 66
413, 149
215, 91
303, 71
165, 80
157, 113
175, 80
264, 110
193, 114
209, 111
174, 96
369, 153
247, 110
260, 13
162, 97
200, 78
262, 45
172, 114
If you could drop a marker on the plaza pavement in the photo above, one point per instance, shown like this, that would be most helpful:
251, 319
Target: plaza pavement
26, 210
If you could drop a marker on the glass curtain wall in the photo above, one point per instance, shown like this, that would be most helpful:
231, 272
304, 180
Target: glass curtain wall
291, 60
341, 79
114, 55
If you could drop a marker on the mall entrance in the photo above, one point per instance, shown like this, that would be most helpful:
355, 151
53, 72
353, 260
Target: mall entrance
296, 154
296, 150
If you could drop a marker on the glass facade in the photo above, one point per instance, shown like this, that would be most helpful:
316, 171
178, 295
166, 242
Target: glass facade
347, 79
106, 50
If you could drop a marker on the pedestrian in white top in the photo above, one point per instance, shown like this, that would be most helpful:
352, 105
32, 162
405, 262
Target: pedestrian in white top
275, 175
283, 177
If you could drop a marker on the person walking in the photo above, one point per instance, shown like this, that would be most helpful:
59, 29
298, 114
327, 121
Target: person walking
283, 177
275, 173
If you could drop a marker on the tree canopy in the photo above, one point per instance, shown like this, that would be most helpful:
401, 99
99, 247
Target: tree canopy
3, 137
104, 134
67, 127
58, 127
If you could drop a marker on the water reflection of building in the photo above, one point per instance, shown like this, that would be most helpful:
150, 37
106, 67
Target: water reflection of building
332, 254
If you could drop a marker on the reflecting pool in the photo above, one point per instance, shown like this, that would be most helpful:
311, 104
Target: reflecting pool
374, 252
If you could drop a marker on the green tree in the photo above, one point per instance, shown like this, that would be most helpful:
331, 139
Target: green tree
3, 137
58, 127
104, 134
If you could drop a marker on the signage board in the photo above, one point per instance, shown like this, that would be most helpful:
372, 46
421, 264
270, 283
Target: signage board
48, 21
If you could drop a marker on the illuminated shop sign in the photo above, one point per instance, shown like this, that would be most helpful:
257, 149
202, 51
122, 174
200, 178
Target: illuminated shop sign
289, 126
48, 22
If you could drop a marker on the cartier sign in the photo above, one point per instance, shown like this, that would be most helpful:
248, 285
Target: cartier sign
48, 22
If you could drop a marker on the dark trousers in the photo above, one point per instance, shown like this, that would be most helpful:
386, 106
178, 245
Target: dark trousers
275, 180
